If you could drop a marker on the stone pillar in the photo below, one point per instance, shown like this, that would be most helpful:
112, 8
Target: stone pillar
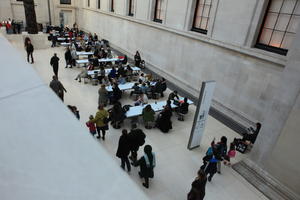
30, 16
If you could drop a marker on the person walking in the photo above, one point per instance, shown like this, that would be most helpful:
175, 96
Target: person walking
29, 50
197, 191
147, 163
123, 150
221, 148
54, 62
57, 87
210, 164
101, 120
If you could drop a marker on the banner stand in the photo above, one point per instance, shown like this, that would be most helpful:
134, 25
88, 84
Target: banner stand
205, 98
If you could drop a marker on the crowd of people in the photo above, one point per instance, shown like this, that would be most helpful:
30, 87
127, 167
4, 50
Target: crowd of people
12, 26
145, 88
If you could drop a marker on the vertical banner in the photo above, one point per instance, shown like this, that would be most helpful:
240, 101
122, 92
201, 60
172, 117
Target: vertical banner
205, 98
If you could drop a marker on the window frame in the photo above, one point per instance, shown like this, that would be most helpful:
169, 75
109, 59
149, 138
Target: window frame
130, 11
112, 6
99, 4
196, 29
65, 3
155, 12
269, 48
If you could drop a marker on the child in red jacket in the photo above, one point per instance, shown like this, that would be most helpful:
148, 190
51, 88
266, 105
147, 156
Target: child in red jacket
91, 126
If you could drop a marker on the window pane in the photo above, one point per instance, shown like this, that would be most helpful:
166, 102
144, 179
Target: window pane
288, 39
275, 5
204, 23
199, 10
197, 22
270, 20
288, 6
206, 11
265, 36
282, 22
277, 38
294, 23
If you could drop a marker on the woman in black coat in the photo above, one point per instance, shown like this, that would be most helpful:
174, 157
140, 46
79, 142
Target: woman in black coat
123, 150
163, 121
198, 187
117, 115
147, 164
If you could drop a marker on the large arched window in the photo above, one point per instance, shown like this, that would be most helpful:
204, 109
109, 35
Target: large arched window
279, 26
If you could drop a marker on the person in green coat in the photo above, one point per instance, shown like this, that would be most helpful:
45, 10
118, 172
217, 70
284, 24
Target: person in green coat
101, 120
148, 116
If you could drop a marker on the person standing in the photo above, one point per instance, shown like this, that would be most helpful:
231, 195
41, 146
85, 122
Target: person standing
198, 187
147, 163
101, 120
137, 59
29, 50
57, 87
68, 58
103, 95
123, 150
54, 63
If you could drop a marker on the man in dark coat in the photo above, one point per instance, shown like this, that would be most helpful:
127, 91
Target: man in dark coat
29, 49
123, 150
54, 63
57, 87
68, 57
136, 139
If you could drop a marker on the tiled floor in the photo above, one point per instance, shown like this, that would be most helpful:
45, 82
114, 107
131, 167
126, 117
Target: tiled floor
176, 165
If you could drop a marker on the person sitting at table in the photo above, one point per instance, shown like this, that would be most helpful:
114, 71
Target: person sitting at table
117, 115
173, 96
121, 71
88, 48
143, 88
142, 78
148, 116
129, 72
149, 90
163, 121
136, 89
112, 73
84, 72
105, 81
137, 59
101, 74
183, 107
95, 61
149, 77
122, 80
109, 53
142, 99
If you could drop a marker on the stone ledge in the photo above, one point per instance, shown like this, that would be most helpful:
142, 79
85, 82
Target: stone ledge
263, 181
